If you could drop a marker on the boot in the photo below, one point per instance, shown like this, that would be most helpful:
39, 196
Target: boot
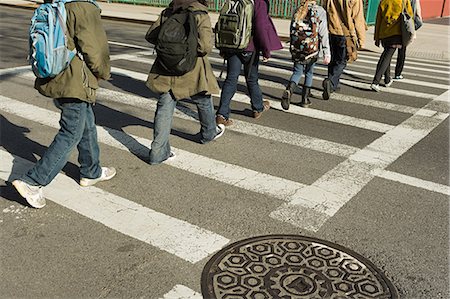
305, 93
287, 94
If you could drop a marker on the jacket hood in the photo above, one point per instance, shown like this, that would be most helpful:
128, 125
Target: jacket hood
176, 4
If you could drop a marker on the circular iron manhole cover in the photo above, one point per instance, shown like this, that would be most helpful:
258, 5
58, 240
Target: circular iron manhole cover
292, 267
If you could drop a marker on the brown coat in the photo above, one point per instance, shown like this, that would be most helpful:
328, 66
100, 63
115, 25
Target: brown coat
347, 12
79, 80
201, 78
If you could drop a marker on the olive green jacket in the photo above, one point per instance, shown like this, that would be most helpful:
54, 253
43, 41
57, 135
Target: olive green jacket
201, 78
388, 22
86, 33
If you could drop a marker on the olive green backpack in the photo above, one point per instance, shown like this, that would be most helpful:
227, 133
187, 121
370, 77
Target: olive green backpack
233, 29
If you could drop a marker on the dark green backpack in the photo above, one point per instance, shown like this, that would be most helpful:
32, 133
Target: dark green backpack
233, 29
177, 42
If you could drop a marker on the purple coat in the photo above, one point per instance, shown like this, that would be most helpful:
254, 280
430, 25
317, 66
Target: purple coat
265, 37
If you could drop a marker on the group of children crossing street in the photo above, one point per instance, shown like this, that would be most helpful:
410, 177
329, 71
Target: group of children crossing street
183, 39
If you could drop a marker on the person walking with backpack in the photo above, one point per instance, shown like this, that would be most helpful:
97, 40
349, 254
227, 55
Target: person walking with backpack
74, 91
388, 32
417, 13
179, 74
262, 38
309, 37
343, 16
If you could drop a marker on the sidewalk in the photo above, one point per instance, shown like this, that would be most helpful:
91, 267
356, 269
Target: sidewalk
432, 39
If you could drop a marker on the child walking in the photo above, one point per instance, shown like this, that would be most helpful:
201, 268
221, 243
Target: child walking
309, 40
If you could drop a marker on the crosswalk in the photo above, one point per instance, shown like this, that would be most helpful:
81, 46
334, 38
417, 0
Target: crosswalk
305, 205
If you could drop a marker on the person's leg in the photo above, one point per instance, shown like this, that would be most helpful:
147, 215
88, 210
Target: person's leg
251, 64
297, 73
72, 124
338, 60
160, 149
383, 63
229, 87
400, 62
208, 127
88, 150
309, 69
309, 73
293, 81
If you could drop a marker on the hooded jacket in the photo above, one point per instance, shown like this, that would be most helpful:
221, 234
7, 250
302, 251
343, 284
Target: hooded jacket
348, 13
79, 79
201, 78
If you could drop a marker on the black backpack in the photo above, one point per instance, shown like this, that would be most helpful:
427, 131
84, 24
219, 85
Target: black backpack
177, 42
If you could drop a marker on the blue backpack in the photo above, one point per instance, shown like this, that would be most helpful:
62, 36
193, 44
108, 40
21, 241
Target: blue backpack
48, 36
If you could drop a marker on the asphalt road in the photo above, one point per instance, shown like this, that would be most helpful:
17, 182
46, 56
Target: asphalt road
379, 162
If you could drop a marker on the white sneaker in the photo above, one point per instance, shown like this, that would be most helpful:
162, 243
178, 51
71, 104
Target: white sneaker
399, 77
220, 130
171, 157
32, 194
375, 87
107, 174
388, 84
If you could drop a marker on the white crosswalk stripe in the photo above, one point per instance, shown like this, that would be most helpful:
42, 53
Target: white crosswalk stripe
305, 206
178, 237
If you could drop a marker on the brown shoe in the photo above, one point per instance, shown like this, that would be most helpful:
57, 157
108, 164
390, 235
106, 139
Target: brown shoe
266, 106
220, 120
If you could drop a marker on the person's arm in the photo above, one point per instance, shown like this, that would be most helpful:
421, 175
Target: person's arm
324, 35
376, 35
91, 39
205, 34
360, 22
261, 36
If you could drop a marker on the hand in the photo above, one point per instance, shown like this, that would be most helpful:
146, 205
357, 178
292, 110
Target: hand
326, 59
265, 59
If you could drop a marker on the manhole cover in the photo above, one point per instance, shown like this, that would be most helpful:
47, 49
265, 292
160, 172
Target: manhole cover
292, 267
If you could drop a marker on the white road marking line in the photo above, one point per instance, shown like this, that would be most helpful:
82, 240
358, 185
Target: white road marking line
412, 181
328, 194
182, 292
129, 45
170, 234
210, 168
295, 139
374, 55
339, 97
243, 127
277, 85
15, 70
346, 71
313, 113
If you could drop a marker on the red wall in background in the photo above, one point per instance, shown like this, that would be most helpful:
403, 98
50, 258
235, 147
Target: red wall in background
434, 8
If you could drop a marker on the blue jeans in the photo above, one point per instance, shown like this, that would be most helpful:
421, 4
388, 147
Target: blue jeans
77, 129
338, 59
234, 64
299, 69
160, 150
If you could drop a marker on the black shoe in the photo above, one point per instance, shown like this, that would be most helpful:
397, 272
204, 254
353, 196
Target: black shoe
305, 101
326, 84
287, 94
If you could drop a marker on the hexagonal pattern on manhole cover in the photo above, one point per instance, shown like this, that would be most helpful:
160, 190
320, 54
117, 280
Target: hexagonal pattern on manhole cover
292, 267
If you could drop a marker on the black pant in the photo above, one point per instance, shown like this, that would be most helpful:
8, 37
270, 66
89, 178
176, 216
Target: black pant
400, 61
384, 65
338, 59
